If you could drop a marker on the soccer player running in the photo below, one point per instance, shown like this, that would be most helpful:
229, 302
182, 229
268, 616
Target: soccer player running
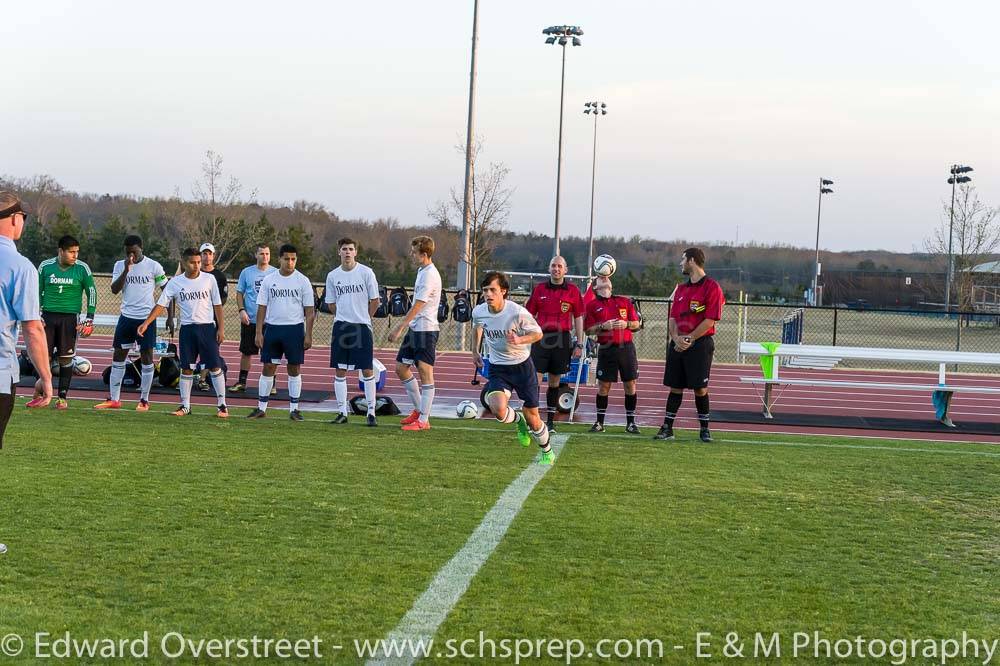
420, 343
285, 308
247, 289
62, 282
19, 304
197, 296
613, 319
352, 298
696, 309
208, 266
136, 278
509, 331
557, 306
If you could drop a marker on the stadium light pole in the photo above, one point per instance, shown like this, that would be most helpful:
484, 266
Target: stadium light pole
823, 189
598, 109
956, 178
561, 35
462, 279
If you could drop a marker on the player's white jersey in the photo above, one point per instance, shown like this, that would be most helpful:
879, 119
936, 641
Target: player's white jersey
427, 288
285, 296
140, 283
195, 298
496, 326
350, 291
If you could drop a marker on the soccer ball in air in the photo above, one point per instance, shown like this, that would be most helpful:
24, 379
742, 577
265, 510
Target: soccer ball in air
467, 409
81, 366
605, 265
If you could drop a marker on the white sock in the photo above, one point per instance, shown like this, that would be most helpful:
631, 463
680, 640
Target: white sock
541, 437
264, 385
412, 387
186, 382
147, 381
426, 400
117, 375
294, 391
340, 392
219, 384
369, 385
509, 416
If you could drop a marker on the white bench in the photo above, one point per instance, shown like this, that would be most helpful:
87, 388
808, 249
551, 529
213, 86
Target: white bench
773, 355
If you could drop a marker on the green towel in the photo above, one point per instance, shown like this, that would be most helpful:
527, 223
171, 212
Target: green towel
767, 361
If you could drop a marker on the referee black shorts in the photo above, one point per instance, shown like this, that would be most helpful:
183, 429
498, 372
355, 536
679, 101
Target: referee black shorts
614, 361
552, 354
60, 332
689, 369
248, 339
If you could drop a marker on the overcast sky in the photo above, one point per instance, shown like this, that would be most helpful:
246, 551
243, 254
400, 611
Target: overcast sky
722, 115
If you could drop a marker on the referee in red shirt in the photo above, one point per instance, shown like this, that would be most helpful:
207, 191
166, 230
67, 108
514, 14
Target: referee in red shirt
557, 306
696, 308
612, 319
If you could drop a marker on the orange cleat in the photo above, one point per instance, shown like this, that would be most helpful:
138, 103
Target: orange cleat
412, 418
417, 425
109, 404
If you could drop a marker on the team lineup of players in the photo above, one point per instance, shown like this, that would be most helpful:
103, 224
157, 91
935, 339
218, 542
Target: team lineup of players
277, 308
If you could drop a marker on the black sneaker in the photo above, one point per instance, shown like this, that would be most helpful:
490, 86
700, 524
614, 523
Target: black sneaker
597, 427
371, 421
257, 414
238, 387
550, 426
340, 419
666, 432
632, 429
705, 435
296, 415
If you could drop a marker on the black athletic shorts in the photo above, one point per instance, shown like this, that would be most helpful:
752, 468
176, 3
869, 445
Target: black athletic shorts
614, 361
248, 339
6, 402
60, 332
552, 354
689, 369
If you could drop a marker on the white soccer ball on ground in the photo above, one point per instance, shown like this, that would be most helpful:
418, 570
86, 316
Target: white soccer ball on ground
81, 366
3, 549
605, 265
467, 409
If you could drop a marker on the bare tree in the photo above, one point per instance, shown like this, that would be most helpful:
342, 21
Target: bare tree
975, 237
490, 208
42, 193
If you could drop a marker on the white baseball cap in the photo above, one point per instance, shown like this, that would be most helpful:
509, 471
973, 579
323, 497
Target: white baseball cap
207, 246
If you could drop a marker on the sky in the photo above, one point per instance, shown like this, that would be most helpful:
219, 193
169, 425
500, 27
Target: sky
722, 116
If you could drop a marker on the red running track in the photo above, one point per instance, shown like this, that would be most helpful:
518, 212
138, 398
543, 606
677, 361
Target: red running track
453, 374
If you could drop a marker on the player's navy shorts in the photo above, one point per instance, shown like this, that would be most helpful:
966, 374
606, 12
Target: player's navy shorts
60, 332
127, 334
617, 360
351, 346
520, 378
197, 342
248, 339
418, 346
288, 340
689, 369
552, 354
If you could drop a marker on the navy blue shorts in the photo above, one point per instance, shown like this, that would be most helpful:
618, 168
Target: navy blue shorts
418, 346
197, 342
288, 340
127, 333
520, 378
351, 346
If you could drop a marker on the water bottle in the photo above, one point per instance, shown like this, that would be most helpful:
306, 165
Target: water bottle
161, 345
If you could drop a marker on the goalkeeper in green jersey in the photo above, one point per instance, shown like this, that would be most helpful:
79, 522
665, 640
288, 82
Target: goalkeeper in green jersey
62, 282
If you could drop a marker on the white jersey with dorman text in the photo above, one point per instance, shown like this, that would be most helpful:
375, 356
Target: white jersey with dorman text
496, 326
427, 288
141, 282
351, 291
195, 298
285, 298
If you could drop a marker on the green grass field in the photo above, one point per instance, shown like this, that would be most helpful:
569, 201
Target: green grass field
120, 523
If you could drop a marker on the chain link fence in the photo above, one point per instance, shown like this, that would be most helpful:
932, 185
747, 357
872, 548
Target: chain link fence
753, 322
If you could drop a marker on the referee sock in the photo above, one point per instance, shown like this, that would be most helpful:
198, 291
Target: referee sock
294, 391
65, 377
630, 402
243, 376
412, 387
117, 375
146, 382
264, 385
602, 407
701, 403
673, 404
551, 401
340, 392
219, 384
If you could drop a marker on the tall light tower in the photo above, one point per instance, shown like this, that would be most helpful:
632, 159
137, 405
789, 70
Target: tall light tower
462, 281
956, 179
561, 35
823, 189
598, 109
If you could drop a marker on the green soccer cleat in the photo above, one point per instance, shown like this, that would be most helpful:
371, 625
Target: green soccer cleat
523, 435
547, 458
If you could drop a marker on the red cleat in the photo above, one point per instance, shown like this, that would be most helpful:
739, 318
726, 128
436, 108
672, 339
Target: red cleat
417, 425
412, 418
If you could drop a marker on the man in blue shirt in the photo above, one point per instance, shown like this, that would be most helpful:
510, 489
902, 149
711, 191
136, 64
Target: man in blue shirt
246, 297
19, 303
